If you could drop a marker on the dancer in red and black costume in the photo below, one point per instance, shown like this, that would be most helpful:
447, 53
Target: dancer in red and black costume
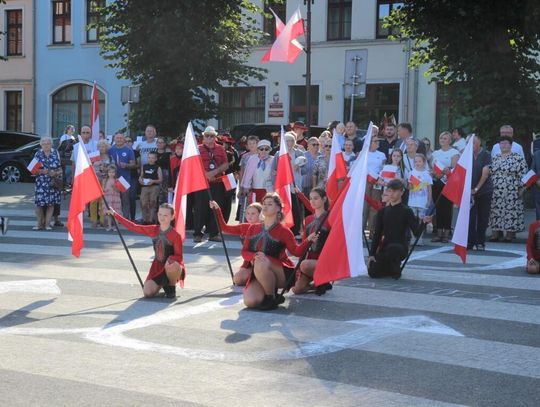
168, 266
253, 215
533, 249
318, 203
264, 247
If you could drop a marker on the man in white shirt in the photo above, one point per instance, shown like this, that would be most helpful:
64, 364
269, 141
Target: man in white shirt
508, 131
89, 144
149, 144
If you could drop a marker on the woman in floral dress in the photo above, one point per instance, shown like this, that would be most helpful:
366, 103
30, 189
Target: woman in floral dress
507, 169
46, 196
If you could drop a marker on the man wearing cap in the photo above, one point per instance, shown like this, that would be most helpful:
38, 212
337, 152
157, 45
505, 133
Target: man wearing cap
215, 164
257, 180
299, 128
389, 245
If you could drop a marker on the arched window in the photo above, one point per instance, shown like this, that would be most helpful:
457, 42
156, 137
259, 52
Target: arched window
71, 105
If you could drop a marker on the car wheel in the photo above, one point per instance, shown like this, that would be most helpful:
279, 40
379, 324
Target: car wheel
11, 173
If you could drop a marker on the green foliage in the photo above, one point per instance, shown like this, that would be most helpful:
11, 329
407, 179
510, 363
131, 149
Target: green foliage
491, 48
180, 52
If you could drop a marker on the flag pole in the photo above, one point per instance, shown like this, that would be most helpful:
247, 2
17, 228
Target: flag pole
308, 65
221, 236
124, 244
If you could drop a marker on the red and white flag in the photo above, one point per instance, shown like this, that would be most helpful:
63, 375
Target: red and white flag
343, 254
86, 188
529, 179
414, 181
458, 190
389, 172
284, 180
286, 48
191, 178
94, 114
34, 166
438, 169
122, 184
94, 156
337, 169
229, 182
372, 178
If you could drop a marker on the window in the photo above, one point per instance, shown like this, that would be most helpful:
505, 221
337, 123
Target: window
269, 23
61, 21
93, 16
384, 8
339, 20
242, 105
380, 99
14, 32
298, 105
447, 116
71, 105
14, 110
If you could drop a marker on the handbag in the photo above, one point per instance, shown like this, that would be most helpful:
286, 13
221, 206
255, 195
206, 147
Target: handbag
57, 182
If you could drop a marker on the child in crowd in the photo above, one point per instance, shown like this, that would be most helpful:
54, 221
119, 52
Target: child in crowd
396, 161
150, 180
168, 266
348, 153
252, 215
111, 195
420, 181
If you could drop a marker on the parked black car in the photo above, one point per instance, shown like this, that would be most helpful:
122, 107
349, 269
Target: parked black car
10, 140
13, 163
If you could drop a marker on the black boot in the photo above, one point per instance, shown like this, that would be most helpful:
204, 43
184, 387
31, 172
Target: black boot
322, 289
170, 291
268, 303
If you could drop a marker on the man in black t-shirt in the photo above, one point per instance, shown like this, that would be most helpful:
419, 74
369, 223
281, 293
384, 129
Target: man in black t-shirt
389, 245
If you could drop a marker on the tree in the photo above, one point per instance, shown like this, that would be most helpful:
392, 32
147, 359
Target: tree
181, 53
491, 48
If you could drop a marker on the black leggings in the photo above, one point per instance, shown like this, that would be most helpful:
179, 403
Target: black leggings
444, 209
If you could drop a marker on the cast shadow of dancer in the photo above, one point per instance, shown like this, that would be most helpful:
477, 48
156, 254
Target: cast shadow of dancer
21, 316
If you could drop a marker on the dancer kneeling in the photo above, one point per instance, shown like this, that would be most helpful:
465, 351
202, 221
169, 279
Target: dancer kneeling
533, 249
318, 200
391, 224
253, 215
264, 247
168, 266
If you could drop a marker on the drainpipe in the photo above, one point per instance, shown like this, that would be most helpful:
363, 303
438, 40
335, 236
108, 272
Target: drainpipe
34, 36
415, 99
405, 116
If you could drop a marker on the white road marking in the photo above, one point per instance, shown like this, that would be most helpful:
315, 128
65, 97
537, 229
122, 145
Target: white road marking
30, 286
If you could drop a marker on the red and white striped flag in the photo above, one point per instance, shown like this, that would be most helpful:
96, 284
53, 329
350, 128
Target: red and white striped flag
229, 182
122, 184
529, 179
94, 114
438, 169
86, 188
286, 48
343, 254
34, 166
337, 169
389, 172
458, 190
94, 156
372, 178
191, 178
284, 180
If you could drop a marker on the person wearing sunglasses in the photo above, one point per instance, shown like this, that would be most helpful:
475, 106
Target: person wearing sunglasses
320, 168
257, 180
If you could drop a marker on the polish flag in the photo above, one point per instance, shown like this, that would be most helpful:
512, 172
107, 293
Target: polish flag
191, 178
337, 169
285, 48
284, 180
34, 166
529, 179
94, 156
229, 181
122, 184
343, 254
438, 169
86, 188
94, 113
414, 181
389, 172
372, 178
458, 190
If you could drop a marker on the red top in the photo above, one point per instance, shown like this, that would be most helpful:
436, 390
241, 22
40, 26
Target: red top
217, 154
304, 199
175, 162
237, 230
309, 228
279, 233
532, 252
153, 231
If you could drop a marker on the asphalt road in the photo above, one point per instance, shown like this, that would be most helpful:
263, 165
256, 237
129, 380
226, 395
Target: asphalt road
77, 332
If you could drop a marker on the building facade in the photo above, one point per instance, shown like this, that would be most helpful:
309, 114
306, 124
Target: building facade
17, 71
67, 64
341, 30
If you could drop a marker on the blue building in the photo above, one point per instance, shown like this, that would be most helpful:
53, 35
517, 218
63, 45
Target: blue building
67, 63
